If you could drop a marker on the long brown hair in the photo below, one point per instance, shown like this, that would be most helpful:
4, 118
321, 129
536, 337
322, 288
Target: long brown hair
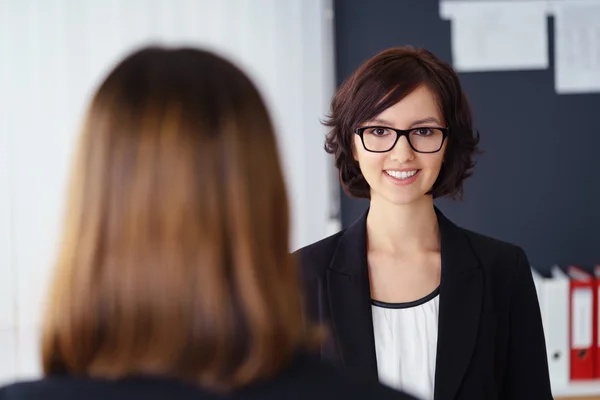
174, 258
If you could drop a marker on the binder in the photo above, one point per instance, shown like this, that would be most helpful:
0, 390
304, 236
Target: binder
554, 307
582, 323
597, 316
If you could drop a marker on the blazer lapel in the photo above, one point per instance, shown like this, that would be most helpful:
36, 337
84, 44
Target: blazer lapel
461, 292
350, 301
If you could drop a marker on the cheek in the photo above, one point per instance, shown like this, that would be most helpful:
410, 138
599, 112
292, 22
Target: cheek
433, 162
370, 163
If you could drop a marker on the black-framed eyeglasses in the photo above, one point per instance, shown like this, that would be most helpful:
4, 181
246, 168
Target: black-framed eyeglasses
381, 139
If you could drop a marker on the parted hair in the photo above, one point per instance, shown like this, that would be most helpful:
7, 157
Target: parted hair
174, 258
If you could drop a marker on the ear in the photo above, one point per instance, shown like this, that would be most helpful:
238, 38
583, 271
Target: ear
354, 152
444, 152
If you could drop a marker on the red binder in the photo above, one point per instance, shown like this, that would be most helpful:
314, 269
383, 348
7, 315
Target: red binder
597, 318
583, 328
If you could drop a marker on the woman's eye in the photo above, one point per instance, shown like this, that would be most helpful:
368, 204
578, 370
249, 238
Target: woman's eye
378, 131
423, 131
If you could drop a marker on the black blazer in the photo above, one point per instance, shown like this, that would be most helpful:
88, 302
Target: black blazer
490, 336
305, 379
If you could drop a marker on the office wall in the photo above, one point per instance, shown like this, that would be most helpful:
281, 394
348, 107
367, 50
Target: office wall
538, 182
53, 53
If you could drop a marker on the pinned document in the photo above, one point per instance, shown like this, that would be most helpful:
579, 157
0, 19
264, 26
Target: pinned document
497, 35
577, 46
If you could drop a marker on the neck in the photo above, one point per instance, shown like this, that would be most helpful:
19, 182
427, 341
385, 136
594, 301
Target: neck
401, 228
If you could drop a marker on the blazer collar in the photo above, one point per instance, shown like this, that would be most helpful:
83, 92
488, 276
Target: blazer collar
350, 301
461, 292
461, 298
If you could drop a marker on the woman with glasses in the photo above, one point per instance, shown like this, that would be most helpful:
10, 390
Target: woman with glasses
174, 279
412, 299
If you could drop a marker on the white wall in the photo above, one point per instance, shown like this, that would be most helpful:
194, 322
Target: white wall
53, 53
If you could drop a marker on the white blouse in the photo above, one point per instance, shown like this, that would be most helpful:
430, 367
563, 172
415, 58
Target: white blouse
406, 342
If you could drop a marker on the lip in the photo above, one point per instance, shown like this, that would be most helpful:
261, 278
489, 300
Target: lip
402, 182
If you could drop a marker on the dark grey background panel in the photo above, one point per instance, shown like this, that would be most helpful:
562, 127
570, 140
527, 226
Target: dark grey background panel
538, 183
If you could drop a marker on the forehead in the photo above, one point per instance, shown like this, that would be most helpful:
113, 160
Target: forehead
420, 104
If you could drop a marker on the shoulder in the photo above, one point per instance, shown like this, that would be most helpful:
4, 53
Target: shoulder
23, 389
315, 379
314, 259
309, 378
64, 388
483, 244
497, 256
75, 388
28, 389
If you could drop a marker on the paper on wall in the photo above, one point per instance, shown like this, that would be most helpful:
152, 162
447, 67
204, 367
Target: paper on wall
497, 35
577, 46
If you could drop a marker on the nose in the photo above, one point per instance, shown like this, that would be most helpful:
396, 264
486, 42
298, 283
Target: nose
402, 151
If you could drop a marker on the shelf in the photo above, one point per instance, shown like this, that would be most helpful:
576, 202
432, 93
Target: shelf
583, 388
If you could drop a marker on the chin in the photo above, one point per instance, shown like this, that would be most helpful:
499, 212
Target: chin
403, 199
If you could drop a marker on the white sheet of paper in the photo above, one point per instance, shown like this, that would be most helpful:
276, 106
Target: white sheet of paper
497, 35
577, 46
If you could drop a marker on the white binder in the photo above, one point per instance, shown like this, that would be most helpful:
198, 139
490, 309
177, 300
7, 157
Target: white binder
553, 295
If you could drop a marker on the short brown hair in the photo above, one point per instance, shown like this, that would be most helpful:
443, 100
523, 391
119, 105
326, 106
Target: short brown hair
175, 258
381, 82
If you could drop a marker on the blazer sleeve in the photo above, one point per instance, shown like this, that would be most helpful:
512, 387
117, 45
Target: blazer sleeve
527, 375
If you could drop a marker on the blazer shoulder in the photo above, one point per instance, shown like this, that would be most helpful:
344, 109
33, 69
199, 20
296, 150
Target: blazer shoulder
489, 244
500, 256
314, 259
316, 379
24, 389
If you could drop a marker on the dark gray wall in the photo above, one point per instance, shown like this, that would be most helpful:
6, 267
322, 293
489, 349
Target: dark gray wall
538, 183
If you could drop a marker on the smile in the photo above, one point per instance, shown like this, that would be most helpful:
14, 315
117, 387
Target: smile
401, 174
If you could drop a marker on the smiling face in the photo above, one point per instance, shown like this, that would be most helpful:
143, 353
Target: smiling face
402, 175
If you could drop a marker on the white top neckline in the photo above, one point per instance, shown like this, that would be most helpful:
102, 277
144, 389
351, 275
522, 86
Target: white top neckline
406, 344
